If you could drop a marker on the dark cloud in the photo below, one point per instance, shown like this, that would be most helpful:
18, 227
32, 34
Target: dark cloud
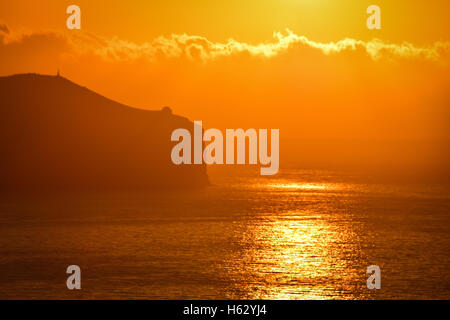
36, 52
4, 29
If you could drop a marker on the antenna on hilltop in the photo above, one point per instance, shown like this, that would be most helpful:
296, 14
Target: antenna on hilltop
58, 74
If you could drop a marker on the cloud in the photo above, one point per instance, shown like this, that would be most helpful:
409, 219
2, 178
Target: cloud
4, 28
197, 47
194, 47
30, 52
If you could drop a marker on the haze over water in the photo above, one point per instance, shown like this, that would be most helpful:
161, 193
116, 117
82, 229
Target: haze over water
298, 235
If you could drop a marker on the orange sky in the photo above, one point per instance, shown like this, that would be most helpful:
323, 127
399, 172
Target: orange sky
249, 20
383, 90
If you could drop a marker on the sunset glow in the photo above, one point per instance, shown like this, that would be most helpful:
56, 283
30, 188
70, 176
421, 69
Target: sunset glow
226, 149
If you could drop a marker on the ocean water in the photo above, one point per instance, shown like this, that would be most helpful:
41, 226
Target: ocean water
298, 235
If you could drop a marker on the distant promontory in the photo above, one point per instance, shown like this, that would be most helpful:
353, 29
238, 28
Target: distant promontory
55, 134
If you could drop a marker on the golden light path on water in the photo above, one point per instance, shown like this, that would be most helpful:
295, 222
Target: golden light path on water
301, 186
299, 253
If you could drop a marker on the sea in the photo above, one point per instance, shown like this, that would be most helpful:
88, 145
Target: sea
302, 234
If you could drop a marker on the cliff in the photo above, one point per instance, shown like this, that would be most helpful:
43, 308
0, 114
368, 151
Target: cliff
55, 134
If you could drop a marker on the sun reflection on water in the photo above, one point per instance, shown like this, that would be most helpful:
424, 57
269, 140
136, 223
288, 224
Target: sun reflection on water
298, 253
297, 257
301, 186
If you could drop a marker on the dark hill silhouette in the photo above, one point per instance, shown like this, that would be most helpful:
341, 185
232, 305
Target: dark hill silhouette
56, 134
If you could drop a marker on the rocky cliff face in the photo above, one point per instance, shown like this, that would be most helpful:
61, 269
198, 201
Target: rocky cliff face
56, 134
